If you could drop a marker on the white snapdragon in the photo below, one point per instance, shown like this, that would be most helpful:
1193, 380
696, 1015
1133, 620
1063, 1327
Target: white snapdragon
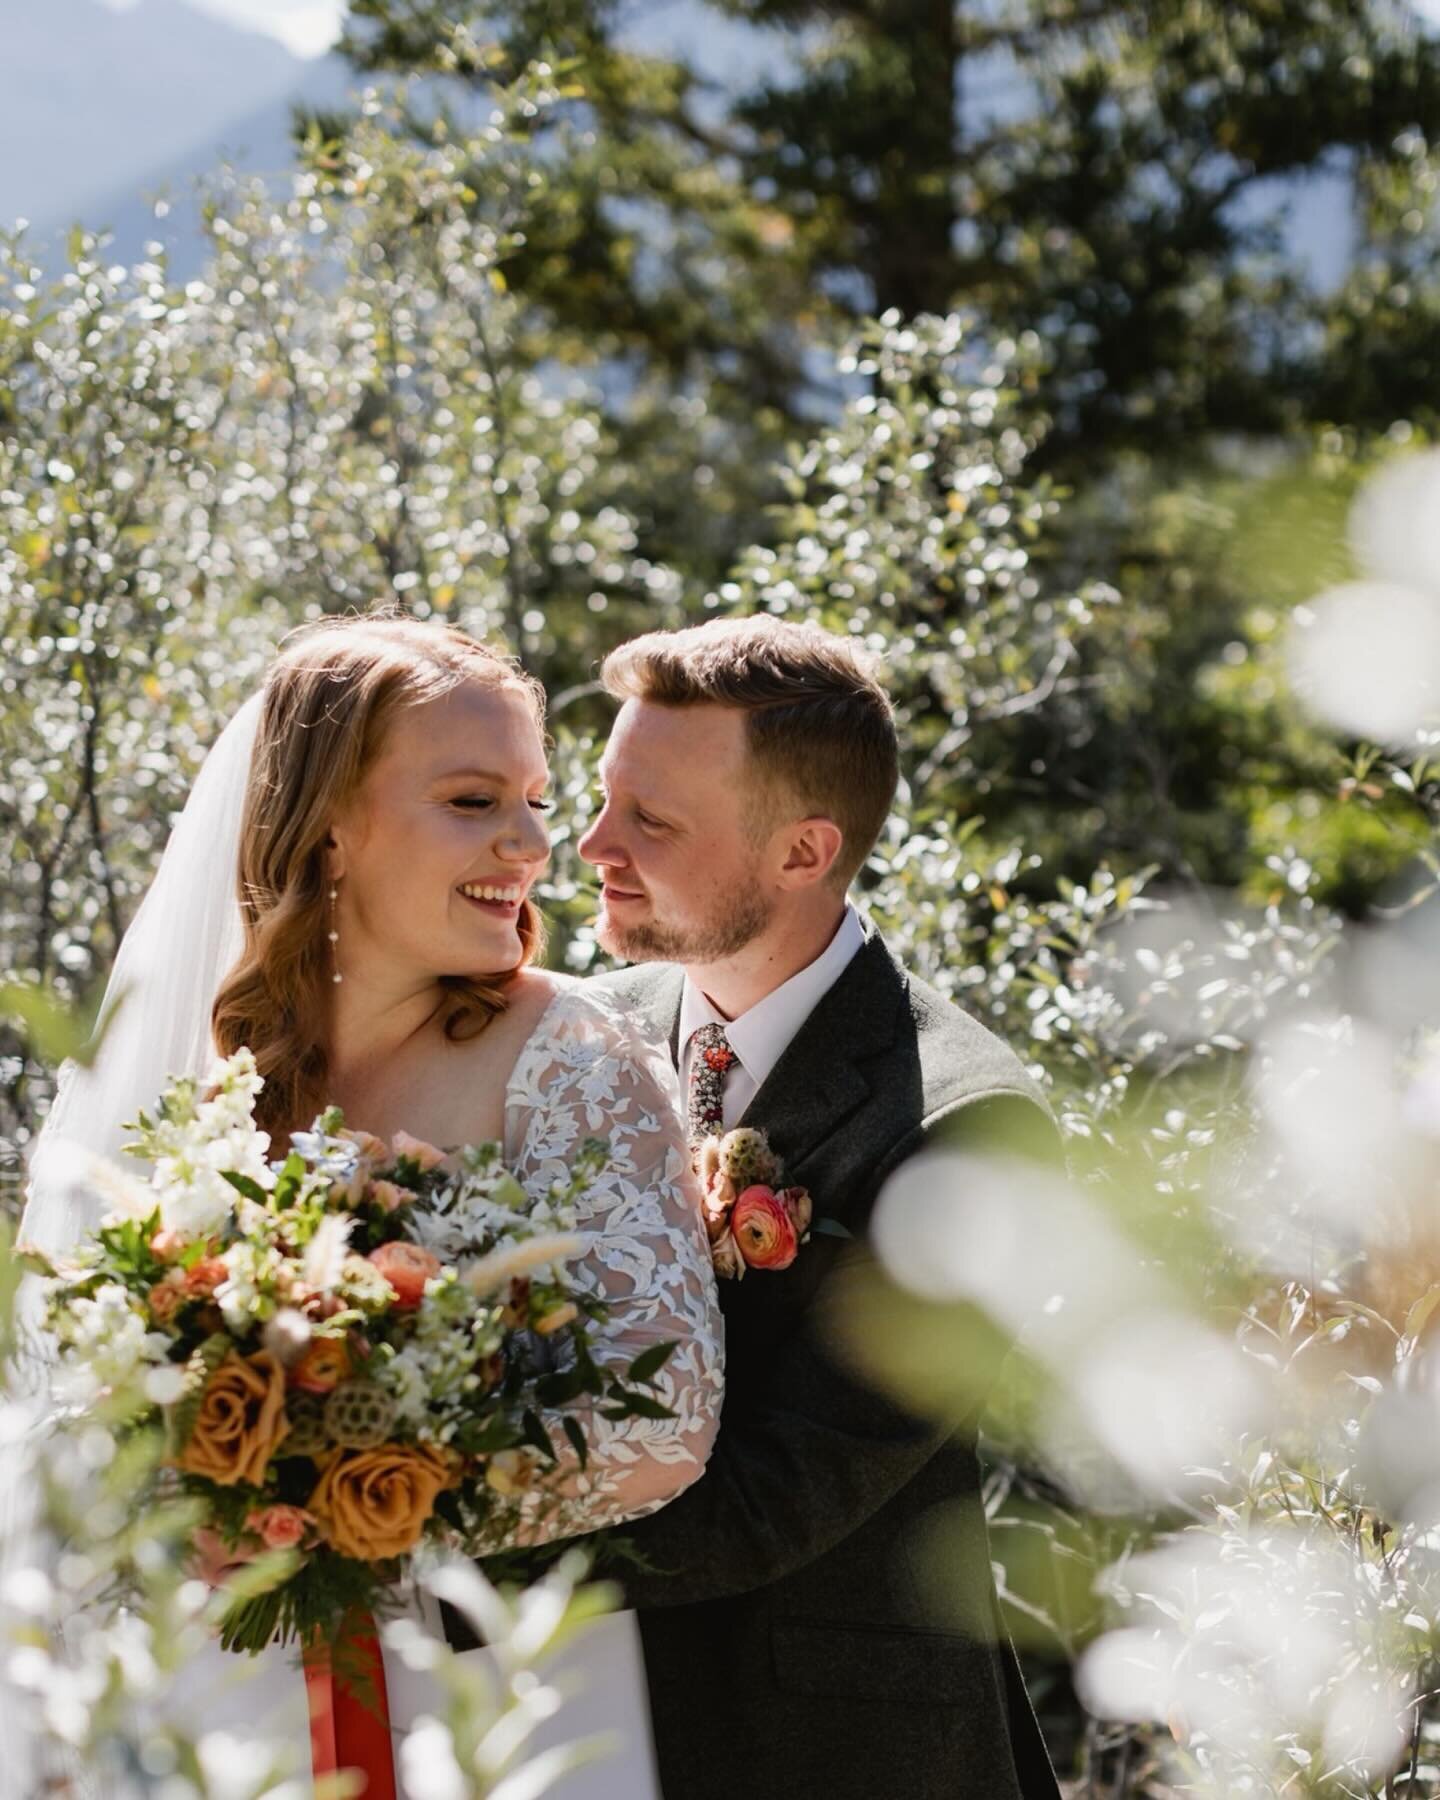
108, 1332
325, 1253
438, 1365
248, 1293
194, 1198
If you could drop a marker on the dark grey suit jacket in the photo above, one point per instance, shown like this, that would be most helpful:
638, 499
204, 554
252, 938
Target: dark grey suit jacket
789, 1646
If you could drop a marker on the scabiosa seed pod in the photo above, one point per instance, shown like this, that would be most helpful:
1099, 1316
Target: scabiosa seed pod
746, 1156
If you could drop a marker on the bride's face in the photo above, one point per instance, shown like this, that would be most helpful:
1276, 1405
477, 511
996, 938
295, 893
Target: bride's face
443, 840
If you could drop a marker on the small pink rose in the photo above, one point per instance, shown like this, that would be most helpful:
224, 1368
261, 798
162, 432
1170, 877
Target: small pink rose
280, 1527
798, 1204
719, 1198
764, 1231
416, 1150
725, 1255
168, 1243
407, 1267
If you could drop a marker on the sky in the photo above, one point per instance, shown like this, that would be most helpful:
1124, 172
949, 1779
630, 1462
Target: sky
306, 27
310, 27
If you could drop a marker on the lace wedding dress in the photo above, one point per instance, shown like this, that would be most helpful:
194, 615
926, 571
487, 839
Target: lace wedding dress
587, 1070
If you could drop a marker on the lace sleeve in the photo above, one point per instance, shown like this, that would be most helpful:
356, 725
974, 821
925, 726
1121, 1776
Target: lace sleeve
592, 1071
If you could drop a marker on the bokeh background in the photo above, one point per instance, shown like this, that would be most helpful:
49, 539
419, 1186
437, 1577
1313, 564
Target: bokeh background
1081, 358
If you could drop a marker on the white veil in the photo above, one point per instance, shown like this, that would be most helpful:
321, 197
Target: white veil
182, 942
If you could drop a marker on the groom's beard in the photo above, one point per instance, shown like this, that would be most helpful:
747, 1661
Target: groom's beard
728, 932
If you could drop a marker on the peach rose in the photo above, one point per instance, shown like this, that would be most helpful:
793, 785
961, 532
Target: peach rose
372, 1148
280, 1527
511, 1472
241, 1421
407, 1267
557, 1318
387, 1195
765, 1233
373, 1504
168, 1243
164, 1300
206, 1275
416, 1150
323, 1366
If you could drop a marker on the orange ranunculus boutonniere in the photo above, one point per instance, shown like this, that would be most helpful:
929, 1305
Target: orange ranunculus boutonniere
240, 1422
373, 1504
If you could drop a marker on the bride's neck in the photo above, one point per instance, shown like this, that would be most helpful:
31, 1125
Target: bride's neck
371, 1023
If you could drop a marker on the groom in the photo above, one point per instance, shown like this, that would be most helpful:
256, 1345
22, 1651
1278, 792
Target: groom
787, 1644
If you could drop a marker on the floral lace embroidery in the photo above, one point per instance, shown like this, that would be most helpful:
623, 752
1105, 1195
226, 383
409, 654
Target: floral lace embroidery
592, 1070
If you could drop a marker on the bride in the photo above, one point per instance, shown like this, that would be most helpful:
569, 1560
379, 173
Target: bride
348, 893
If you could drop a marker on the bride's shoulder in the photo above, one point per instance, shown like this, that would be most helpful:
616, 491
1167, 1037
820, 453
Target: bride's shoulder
583, 1012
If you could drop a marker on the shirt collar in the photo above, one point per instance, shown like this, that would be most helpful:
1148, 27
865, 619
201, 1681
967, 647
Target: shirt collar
761, 1035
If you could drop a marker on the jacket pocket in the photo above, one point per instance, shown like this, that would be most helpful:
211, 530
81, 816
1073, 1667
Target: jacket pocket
885, 1662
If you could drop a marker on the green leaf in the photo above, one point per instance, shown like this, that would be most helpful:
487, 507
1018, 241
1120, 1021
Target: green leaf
635, 1406
572, 1430
535, 1434
648, 1364
244, 1184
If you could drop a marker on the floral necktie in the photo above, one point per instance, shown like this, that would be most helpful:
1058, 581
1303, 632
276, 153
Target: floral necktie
711, 1060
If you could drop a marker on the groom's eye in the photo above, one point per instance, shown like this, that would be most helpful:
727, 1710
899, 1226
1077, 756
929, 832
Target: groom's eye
543, 806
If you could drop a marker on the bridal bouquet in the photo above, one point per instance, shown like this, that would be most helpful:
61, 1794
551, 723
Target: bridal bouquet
348, 1350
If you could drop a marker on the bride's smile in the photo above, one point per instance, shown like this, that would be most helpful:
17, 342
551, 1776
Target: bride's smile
434, 857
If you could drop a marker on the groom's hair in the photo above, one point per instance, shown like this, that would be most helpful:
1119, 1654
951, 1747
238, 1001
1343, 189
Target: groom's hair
818, 726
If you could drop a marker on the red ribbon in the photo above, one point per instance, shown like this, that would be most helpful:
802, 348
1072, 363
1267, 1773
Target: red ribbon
350, 1729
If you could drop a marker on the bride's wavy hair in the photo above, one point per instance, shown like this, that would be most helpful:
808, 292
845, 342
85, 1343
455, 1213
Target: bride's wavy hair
328, 703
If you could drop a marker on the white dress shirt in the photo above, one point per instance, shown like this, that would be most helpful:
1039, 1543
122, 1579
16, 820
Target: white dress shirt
761, 1036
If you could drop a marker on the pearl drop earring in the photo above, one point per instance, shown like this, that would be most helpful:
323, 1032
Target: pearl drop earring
334, 934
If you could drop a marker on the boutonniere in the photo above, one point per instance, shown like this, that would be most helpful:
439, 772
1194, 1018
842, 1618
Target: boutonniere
754, 1221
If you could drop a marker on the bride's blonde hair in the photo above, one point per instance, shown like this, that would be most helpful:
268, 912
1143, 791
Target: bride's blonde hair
329, 699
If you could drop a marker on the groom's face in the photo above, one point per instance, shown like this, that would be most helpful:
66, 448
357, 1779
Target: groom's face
683, 875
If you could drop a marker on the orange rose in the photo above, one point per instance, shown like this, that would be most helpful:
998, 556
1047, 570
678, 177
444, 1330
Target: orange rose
323, 1366
373, 1504
765, 1233
241, 1421
407, 1267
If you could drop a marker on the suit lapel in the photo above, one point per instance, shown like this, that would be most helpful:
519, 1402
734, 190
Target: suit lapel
823, 1075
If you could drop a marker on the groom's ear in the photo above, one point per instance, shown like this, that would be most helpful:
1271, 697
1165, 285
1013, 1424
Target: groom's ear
811, 847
